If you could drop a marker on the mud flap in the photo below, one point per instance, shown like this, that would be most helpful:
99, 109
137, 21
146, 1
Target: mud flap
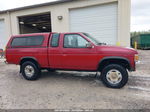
20, 69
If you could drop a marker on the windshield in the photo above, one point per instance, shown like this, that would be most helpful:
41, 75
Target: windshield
95, 41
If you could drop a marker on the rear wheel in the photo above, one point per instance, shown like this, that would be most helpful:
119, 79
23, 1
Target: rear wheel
30, 71
114, 76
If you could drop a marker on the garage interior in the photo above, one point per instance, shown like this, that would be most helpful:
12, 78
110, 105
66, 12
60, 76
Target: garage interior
35, 23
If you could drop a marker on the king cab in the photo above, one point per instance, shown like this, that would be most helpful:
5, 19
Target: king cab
70, 51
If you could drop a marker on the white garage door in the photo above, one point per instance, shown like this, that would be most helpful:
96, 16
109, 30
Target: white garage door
100, 21
3, 40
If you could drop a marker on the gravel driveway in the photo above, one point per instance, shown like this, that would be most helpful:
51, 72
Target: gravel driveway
74, 90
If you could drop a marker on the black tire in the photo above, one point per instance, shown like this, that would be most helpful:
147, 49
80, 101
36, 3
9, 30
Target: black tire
36, 74
123, 73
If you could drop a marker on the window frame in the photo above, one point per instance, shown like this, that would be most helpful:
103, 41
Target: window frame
43, 38
52, 38
73, 47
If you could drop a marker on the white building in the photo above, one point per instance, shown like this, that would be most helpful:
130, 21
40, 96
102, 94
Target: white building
106, 20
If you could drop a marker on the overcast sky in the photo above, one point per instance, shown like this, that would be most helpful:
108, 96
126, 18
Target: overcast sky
140, 11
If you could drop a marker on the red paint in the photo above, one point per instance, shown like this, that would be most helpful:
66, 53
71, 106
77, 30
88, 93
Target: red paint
67, 58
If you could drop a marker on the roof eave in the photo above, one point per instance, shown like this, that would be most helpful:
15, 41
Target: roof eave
37, 5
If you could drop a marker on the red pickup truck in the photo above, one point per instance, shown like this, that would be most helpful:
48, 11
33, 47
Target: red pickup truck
70, 51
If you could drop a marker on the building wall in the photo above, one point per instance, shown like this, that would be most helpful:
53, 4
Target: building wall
6, 18
124, 14
12, 26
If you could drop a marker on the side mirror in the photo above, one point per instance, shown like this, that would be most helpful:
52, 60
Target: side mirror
89, 45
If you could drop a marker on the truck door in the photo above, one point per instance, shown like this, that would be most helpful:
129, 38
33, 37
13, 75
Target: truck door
75, 54
54, 51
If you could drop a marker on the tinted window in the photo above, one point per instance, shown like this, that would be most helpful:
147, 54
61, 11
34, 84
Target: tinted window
74, 41
19, 42
34, 41
55, 40
27, 41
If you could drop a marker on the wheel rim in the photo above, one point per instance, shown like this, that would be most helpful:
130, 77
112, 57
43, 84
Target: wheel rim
114, 76
29, 71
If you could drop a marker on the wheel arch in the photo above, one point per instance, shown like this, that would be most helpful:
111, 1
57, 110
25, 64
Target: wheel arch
31, 59
114, 60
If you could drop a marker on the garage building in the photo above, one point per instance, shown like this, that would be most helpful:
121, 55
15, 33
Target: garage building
106, 20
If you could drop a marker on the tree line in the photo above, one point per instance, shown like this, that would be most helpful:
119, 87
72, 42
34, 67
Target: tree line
139, 32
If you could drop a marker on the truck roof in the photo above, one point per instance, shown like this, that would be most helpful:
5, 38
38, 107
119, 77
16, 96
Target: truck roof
32, 34
46, 33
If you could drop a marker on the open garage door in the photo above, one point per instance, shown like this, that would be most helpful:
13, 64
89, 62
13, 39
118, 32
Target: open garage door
100, 21
3, 40
35, 23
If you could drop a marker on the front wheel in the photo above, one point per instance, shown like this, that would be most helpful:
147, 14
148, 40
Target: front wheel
114, 76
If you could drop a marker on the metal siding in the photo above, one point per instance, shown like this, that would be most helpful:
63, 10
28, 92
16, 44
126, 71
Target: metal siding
100, 21
2, 34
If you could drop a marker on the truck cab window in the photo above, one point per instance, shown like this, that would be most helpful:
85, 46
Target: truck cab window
55, 40
74, 41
